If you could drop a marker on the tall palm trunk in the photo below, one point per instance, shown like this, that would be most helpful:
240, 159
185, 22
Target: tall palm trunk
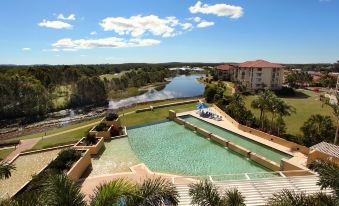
336, 133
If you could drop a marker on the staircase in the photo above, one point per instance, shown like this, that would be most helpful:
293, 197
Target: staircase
257, 192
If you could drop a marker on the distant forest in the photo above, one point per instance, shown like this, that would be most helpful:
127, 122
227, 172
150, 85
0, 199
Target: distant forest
30, 92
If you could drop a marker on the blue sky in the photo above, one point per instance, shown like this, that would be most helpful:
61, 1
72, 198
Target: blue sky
120, 31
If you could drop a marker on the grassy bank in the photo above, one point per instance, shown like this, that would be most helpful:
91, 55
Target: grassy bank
153, 116
5, 152
57, 130
306, 102
130, 119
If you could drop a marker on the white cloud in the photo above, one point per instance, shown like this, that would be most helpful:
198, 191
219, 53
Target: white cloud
70, 17
68, 44
139, 25
187, 26
55, 24
231, 11
204, 24
93, 33
26, 49
197, 19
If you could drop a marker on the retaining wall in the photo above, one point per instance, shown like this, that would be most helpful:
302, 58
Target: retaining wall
80, 166
166, 105
239, 149
93, 149
315, 155
265, 162
286, 166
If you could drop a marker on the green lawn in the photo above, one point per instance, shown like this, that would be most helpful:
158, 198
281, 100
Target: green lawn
128, 120
153, 116
5, 152
306, 103
61, 95
56, 130
67, 138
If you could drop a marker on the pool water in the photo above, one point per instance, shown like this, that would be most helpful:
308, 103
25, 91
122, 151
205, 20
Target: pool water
171, 148
256, 147
116, 156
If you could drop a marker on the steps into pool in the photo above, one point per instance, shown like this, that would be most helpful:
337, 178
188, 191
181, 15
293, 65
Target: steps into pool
257, 192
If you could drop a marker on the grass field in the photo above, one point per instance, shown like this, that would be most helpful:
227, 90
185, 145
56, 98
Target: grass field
67, 138
306, 104
153, 116
111, 76
128, 120
61, 96
5, 152
57, 130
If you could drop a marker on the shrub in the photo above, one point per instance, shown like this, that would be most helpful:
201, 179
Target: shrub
285, 91
65, 160
101, 127
115, 131
90, 139
111, 116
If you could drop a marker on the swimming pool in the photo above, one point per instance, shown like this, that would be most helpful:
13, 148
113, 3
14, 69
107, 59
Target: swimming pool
171, 148
253, 146
116, 156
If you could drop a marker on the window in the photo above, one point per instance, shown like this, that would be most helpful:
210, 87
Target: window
258, 79
259, 69
258, 74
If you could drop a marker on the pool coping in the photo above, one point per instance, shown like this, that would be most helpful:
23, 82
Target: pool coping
241, 136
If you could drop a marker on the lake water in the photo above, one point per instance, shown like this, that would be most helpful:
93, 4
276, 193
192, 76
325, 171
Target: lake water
179, 87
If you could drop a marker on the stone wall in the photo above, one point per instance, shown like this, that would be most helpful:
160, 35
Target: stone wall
80, 166
93, 149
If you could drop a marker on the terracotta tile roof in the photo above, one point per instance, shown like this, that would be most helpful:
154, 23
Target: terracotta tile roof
259, 64
327, 148
225, 67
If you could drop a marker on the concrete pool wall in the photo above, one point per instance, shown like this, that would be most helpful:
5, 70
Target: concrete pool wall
291, 145
236, 148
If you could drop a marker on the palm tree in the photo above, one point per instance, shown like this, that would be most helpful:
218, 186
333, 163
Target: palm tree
335, 113
114, 193
152, 192
328, 174
291, 198
262, 103
233, 197
6, 169
205, 193
60, 191
158, 192
283, 109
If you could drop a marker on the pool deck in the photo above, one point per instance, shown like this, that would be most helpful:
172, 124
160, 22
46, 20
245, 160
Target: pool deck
298, 157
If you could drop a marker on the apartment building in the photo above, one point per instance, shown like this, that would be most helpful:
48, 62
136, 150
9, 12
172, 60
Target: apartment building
255, 74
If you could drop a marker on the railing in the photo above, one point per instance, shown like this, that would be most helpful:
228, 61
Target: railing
237, 176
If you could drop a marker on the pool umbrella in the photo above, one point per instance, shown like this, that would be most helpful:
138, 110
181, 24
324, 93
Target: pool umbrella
202, 106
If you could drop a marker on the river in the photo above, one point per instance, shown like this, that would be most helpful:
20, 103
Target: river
179, 87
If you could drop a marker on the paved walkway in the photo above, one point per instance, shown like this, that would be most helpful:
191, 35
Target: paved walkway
23, 146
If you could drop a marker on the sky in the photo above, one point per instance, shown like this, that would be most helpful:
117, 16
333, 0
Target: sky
154, 31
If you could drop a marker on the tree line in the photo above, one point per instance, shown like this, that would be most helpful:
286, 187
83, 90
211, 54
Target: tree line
27, 91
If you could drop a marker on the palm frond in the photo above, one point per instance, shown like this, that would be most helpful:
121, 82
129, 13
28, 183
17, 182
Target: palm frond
158, 191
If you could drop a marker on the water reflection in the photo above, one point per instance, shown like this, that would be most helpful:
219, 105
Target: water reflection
181, 86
